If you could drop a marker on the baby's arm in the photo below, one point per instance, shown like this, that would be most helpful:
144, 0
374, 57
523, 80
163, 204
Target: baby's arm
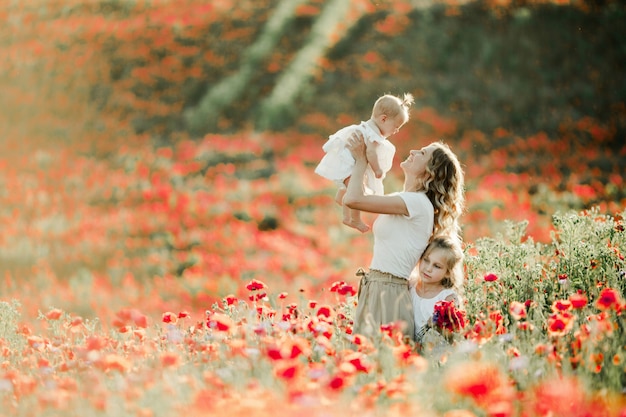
371, 152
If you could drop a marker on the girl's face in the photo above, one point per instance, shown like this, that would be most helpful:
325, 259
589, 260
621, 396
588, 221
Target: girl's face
389, 125
433, 266
415, 165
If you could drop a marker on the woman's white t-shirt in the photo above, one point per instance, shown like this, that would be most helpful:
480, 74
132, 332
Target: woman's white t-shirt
399, 240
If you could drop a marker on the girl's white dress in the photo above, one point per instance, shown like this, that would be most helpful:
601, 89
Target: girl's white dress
337, 163
424, 308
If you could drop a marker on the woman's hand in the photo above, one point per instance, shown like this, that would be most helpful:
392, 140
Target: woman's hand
356, 145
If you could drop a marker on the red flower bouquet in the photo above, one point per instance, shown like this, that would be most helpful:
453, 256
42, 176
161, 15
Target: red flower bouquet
447, 318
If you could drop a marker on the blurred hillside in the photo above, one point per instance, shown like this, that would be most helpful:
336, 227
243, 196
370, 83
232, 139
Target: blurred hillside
105, 183
531, 95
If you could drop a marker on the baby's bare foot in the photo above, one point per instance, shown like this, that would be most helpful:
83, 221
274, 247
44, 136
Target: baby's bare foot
356, 224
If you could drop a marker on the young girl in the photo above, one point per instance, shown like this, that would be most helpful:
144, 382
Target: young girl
439, 278
431, 202
389, 114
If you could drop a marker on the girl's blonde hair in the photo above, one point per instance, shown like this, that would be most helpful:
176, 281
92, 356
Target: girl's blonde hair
393, 106
444, 186
454, 260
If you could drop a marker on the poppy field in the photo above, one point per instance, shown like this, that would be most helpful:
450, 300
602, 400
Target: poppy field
149, 272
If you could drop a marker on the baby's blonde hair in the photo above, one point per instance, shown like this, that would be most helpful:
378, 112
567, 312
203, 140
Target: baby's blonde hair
393, 106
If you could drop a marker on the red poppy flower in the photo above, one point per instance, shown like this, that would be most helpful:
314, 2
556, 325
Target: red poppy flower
448, 317
490, 277
578, 300
230, 300
561, 305
609, 299
356, 359
560, 323
169, 317
482, 382
517, 310
220, 322
324, 311
255, 285
288, 370
336, 383
54, 314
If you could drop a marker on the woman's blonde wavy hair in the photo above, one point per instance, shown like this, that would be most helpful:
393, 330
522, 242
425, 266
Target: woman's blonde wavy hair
444, 184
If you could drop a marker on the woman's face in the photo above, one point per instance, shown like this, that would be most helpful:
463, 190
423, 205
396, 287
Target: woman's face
417, 161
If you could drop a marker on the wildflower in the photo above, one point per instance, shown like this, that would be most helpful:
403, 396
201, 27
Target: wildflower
37, 342
230, 300
290, 349
357, 360
347, 290
54, 314
341, 288
288, 370
490, 277
617, 359
597, 360
170, 359
517, 310
560, 323
258, 296
562, 396
578, 300
324, 311
220, 322
169, 317
609, 299
358, 339
561, 305
183, 314
498, 321
113, 362
95, 343
255, 285
484, 383
336, 383
448, 317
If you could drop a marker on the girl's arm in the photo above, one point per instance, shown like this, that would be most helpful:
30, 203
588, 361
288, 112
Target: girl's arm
455, 299
355, 197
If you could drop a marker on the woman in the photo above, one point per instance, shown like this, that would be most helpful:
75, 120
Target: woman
432, 201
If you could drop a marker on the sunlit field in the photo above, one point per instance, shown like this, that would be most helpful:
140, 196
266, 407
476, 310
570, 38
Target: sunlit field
148, 271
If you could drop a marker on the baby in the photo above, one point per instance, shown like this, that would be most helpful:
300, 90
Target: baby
389, 114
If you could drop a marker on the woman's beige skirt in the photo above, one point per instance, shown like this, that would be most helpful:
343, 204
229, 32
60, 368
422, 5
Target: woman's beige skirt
382, 299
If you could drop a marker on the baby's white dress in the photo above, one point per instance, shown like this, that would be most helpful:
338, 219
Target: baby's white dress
337, 163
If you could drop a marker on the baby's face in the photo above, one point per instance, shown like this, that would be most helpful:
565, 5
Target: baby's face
389, 126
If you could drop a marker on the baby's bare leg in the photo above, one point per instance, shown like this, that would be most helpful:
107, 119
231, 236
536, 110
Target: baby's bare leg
352, 218
339, 196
